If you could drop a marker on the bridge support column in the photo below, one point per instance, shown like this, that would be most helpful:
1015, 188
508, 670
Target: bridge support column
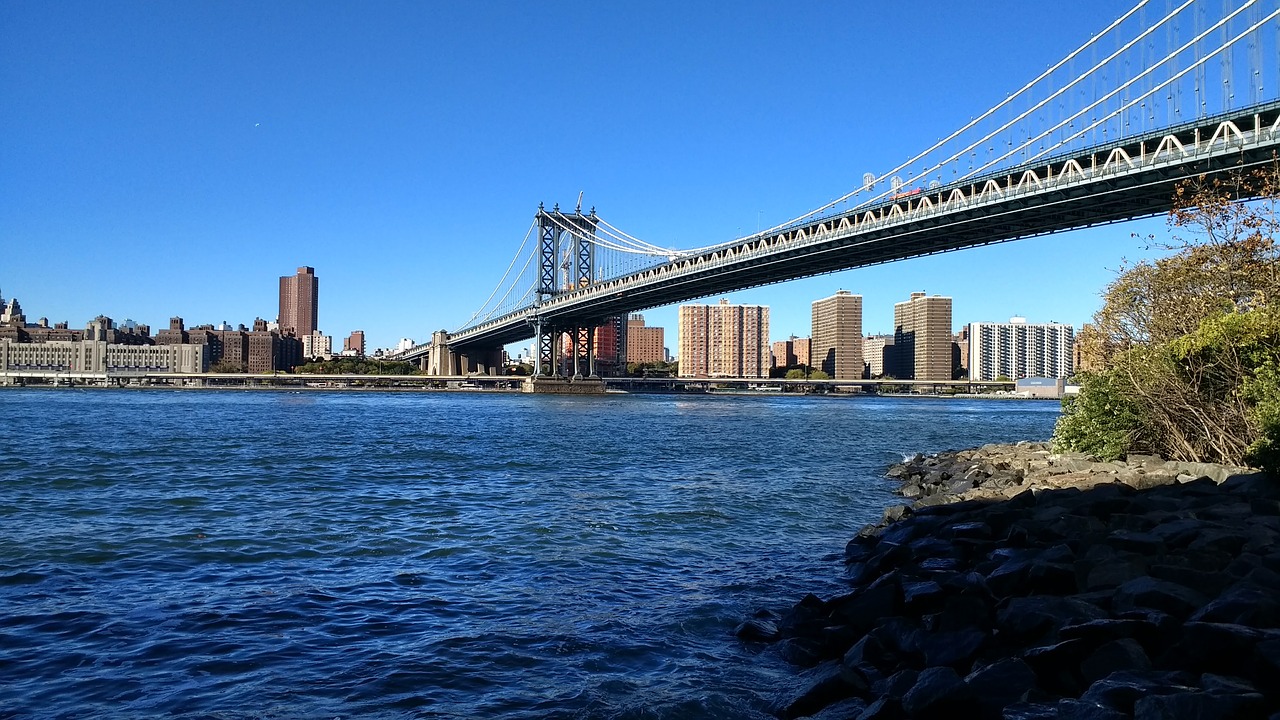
591, 352
440, 359
545, 359
482, 361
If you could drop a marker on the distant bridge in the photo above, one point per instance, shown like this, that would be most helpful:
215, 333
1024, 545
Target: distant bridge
1068, 158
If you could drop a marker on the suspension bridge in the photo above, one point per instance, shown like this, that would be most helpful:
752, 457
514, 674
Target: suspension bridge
1170, 90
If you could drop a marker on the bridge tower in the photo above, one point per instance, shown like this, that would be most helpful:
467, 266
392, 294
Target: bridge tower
574, 235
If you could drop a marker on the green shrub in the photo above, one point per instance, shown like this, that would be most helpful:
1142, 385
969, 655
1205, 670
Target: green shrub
1100, 420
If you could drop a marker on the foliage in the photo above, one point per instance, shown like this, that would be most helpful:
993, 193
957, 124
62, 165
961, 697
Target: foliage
1186, 349
796, 374
1229, 264
1100, 420
818, 375
353, 366
226, 367
653, 369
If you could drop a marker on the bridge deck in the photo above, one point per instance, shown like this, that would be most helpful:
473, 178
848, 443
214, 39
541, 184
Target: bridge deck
1131, 178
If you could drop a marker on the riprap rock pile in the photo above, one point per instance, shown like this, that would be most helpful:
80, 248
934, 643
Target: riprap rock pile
1154, 593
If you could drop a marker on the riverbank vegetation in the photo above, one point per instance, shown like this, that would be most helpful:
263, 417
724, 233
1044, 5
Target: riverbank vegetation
353, 366
1183, 359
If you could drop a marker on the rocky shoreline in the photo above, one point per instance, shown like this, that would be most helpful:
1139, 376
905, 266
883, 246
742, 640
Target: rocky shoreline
1026, 585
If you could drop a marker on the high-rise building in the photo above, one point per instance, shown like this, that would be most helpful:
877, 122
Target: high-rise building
960, 354
644, 342
299, 302
922, 338
875, 353
835, 344
782, 353
175, 335
269, 351
354, 344
317, 345
800, 347
1018, 349
791, 352
723, 340
611, 347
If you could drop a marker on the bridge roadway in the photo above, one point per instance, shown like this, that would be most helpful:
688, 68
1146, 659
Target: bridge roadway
1131, 178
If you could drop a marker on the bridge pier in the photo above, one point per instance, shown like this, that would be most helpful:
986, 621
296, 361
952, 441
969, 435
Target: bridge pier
441, 360
549, 385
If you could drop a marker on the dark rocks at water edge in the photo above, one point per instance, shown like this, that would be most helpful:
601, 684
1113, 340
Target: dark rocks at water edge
1141, 589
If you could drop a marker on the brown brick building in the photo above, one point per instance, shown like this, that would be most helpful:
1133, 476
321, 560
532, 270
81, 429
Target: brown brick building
299, 302
645, 344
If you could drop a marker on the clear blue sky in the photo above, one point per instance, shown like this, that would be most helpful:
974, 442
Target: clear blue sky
176, 158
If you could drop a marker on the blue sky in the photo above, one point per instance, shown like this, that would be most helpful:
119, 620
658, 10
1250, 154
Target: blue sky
176, 158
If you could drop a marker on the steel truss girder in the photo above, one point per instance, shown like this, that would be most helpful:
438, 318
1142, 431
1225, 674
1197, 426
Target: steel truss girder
548, 250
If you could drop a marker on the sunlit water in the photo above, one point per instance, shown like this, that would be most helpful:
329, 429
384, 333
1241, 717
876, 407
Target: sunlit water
438, 555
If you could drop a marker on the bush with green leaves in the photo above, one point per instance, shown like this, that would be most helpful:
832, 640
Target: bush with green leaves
1211, 395
1100, 420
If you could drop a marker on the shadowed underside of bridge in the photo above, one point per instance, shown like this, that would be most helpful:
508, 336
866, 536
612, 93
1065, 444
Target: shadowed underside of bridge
1128, 179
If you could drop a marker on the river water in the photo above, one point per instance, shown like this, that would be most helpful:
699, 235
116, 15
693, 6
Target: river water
210, 554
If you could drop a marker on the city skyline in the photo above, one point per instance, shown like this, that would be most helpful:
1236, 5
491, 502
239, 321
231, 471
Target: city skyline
271, 148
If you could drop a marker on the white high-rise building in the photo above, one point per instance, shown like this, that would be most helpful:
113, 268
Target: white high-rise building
317, 345
1018, 349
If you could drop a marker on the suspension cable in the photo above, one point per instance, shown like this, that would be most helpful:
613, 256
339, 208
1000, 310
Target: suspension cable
497, 287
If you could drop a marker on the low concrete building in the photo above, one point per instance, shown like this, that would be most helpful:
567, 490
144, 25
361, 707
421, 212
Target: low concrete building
1041, 387
100, 358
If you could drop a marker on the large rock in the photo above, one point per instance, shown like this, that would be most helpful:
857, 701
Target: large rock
1037, 618
1124, 654
1167, 597
1199, 706
825, 684
1242, 604
939, 693
1121, 690
1000, 684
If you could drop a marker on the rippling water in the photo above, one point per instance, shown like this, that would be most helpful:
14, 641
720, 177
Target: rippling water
440, 555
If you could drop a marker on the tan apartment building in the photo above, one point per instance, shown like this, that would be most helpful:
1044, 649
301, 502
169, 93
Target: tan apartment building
875, 354
723, 340
836, 337
922, 338
644, 343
